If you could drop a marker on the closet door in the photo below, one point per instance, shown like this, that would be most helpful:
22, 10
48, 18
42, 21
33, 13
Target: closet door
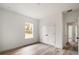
52, 34
44, 34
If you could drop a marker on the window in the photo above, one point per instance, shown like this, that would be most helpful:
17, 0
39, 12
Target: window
76, 33
28, 30
70, 32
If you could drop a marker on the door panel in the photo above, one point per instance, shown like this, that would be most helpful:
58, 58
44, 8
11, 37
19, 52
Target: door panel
78, 35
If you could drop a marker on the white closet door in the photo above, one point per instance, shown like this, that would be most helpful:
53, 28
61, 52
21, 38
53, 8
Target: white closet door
44, 34
51, 35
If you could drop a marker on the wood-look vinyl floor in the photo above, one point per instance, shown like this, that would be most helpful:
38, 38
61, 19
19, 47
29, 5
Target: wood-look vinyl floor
40, 49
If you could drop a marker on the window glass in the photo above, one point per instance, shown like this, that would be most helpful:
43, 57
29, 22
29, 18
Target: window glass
28, 30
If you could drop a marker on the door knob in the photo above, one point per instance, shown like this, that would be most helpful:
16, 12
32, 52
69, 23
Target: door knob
46, 35
77, 37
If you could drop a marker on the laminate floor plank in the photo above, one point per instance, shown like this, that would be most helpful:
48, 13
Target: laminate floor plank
40, 49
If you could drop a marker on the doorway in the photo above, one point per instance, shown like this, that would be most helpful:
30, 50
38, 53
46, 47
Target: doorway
72, 32
72, 43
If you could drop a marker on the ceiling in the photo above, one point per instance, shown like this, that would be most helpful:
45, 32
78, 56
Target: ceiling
39, 10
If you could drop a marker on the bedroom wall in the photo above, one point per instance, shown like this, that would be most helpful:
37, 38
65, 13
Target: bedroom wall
12, 30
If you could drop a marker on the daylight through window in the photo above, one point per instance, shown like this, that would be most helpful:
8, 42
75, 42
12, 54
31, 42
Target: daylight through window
28, 30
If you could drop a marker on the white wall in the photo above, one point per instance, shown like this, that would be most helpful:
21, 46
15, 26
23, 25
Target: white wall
68, 18
0, 31
12, 30
53, 26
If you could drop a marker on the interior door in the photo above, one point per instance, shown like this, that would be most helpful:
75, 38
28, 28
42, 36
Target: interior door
78, 34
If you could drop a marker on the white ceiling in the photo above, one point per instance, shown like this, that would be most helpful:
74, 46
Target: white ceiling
39, 10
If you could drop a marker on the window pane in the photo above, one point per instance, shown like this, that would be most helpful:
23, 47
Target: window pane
76, 33
70, 27
28, 30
